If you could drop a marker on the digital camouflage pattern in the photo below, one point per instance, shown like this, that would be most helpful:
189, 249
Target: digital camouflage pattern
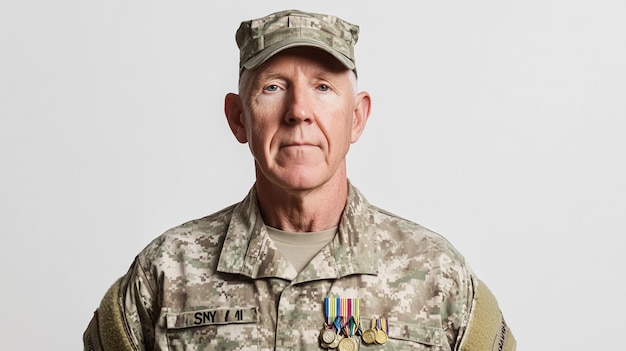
218, 283
261, 38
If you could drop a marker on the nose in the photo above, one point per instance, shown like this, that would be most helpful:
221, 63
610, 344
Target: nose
300, 108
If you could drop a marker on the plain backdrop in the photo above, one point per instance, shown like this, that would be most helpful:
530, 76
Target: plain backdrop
498, 124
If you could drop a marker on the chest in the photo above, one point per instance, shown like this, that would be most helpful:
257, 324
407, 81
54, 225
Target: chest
271, 314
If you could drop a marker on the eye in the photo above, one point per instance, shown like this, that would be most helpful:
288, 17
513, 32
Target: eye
323, 87
271, 87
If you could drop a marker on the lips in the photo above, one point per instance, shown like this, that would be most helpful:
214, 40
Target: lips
297, 144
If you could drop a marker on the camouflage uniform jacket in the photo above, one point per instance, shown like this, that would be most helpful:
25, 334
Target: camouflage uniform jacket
218, 283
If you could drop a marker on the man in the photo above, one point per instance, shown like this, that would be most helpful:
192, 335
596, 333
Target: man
304, 262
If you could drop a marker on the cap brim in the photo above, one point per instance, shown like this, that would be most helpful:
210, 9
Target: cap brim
265, 54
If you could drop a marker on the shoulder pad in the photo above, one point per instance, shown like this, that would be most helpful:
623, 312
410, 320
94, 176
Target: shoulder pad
486, 330
107, 330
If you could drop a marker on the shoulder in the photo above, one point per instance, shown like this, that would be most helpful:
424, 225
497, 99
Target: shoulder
400, 238
194, 239
419, 239
424, 255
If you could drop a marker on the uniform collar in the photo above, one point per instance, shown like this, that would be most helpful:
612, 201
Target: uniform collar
249, 251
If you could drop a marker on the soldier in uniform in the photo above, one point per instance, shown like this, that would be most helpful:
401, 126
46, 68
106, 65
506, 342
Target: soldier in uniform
303, 262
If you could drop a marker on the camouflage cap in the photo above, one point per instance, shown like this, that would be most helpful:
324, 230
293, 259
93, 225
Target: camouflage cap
261, 38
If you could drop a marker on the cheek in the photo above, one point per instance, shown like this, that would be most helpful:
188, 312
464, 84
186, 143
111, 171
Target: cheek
340, 135
260, 136
267, 105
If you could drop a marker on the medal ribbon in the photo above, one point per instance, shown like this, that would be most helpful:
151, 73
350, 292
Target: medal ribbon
349, 310
383, 324
342, 313
332, 311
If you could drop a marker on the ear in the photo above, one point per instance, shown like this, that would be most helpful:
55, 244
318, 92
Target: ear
234, 115
362, 106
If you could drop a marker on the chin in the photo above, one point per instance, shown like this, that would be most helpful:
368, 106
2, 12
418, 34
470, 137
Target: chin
300, 181
302, 184
297, 178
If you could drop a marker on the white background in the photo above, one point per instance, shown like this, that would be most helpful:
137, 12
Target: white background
499, 124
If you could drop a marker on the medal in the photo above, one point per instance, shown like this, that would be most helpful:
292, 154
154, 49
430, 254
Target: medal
342, 324
348, 344
336, 342
369, 336
327, 335
381, 337
381, 334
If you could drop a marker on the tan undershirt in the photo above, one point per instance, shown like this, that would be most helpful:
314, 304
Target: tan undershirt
300, 248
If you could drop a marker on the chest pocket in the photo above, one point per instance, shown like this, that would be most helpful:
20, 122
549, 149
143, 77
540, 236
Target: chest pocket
409, 336
213, 329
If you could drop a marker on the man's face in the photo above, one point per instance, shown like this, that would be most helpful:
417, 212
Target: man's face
299, 114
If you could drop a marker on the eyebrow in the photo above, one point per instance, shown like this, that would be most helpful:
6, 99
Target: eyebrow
322, 74
264, 76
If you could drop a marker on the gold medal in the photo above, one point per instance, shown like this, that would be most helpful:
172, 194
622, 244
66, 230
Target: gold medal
342, 324
369, 336
348, 344
381, 334
381, 337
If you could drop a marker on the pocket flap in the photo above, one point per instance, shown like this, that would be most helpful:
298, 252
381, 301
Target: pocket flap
414, 332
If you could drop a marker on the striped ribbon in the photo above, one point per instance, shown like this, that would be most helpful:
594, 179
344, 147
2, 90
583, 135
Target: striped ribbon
342, 312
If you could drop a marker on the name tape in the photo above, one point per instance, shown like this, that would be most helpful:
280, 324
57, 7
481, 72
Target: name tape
212, 317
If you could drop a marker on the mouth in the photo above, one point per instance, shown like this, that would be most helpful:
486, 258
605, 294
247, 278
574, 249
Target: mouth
297, 144
298, 148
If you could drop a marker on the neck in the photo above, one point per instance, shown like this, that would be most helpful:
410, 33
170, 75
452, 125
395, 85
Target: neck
308, 210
